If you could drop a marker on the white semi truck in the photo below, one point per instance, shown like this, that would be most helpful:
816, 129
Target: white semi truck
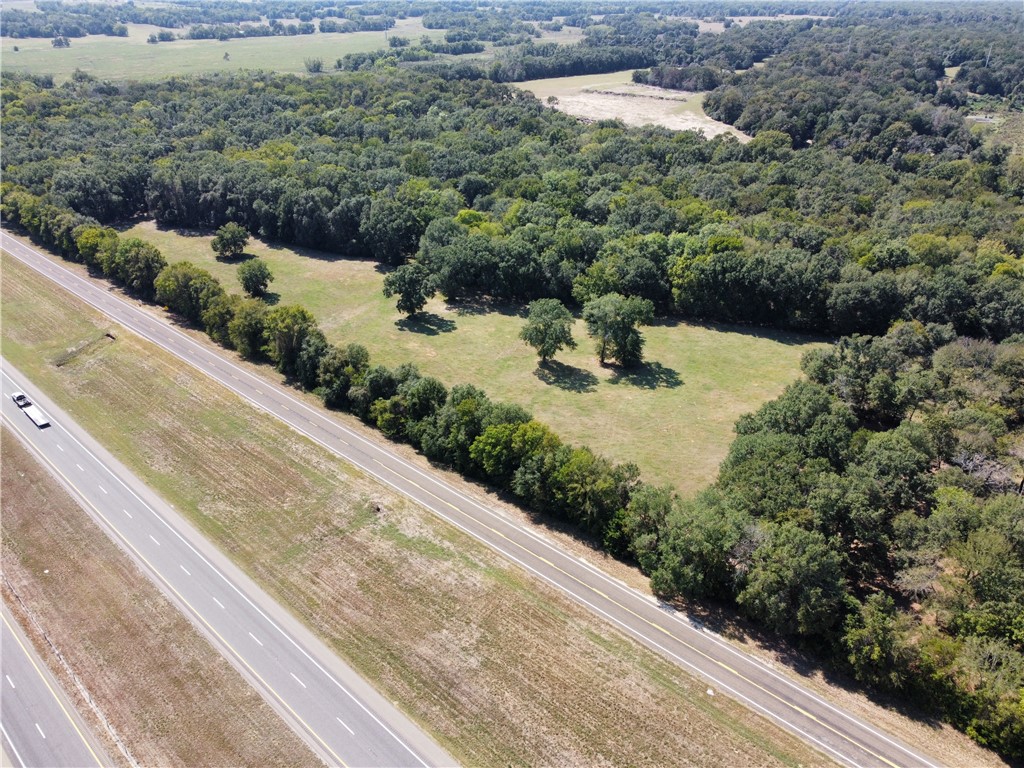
30, 410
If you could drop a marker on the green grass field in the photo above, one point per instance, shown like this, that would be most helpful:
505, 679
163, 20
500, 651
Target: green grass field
673, 417
120, 58
500, 668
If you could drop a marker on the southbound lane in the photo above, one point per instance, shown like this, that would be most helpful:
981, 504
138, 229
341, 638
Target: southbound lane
838, 734
39, 725
344, 720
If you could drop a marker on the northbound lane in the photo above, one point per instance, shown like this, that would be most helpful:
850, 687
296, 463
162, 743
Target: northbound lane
342, 718
835, 732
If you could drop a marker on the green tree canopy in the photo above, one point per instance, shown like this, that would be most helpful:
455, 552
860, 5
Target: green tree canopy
186, 289
230, 240
548, 328
254, 276
612, 321
284, 330
135, 264
245, 329
414, 286
793, 582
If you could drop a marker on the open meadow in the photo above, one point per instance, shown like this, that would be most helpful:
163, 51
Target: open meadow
673, 417
615, 96
499, 668
122, 58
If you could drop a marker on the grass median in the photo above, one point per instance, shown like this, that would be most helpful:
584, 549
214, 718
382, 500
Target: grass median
499, 668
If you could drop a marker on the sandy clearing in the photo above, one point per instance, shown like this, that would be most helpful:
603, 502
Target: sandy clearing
616, 96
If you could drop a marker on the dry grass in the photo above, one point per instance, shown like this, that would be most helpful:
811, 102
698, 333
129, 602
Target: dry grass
169, 695
500, 669
616, 96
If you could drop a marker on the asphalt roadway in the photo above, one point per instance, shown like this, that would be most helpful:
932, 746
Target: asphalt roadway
40, 726
824, 725
344, 720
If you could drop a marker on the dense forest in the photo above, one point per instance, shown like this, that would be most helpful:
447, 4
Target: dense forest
873, 512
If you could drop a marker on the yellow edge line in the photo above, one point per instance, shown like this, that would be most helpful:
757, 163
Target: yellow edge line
177, 594
696, 650
52, 692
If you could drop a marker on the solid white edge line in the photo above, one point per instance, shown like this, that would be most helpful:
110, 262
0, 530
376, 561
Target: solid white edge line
145, 317
242, 594
14, 749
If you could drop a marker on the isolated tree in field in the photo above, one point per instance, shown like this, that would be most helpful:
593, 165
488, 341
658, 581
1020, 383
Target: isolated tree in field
230, 240
413, 284
612, 322
314, 65
548, 328
255, 276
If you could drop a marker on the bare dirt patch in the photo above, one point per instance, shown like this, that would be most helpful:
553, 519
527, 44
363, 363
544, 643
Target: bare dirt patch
616, 97
167, 693
502, 670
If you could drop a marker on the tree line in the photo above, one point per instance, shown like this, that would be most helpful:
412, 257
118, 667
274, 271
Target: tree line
873, 510
493, 195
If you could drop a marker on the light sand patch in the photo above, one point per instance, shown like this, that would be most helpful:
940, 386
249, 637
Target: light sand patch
615, 96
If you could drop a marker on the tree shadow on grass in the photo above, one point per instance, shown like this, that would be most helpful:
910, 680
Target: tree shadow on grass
426, 323
271, 298
566, 377
648, 376
486, 306
235, 258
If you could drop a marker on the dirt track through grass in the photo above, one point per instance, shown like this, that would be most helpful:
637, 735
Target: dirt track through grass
501, 670
170, 696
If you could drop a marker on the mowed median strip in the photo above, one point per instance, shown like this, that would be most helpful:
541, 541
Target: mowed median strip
500, 669
167, 693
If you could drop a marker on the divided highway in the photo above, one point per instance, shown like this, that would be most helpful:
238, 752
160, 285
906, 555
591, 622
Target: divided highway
342, 719
838, 734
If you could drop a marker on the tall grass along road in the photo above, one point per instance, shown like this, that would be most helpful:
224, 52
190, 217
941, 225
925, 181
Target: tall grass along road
833, 731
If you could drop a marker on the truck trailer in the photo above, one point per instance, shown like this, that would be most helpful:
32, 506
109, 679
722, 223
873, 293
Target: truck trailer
30, 410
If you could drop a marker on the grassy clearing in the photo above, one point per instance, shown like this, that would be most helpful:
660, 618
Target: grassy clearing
121, 58
1002, 127
673, 418
169, 695
616, 96
500, 669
